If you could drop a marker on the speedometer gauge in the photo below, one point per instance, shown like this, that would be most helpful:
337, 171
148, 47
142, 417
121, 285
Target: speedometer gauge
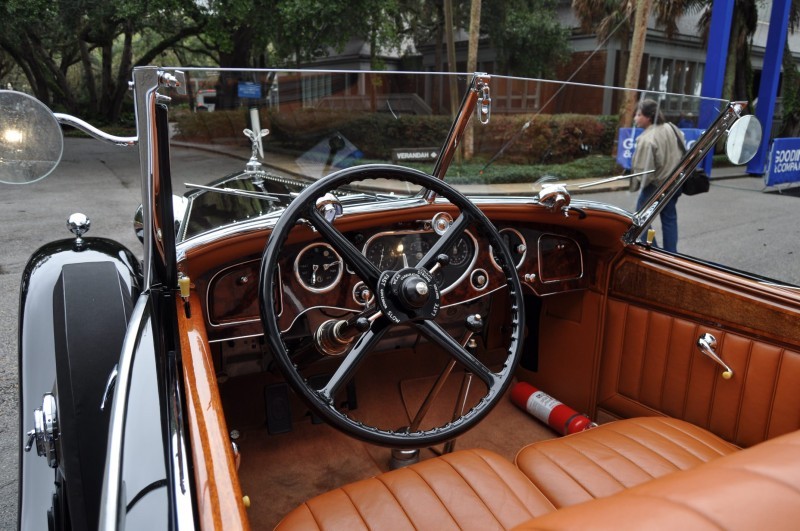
318, 267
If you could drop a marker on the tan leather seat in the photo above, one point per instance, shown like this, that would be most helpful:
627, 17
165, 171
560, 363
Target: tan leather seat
756, 488
615, 456
478, 489
468, 489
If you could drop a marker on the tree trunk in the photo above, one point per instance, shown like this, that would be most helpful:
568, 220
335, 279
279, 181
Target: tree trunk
449, 32
124, 70
472, 66
635, 61
88, 76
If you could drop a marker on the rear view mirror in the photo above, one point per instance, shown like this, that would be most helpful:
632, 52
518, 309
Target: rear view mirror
31, 142
744, 139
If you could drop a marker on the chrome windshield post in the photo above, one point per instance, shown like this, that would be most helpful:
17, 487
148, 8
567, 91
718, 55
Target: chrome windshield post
146, 82
477, 92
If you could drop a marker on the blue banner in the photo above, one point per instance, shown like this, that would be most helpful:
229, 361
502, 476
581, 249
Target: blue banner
627, 142
784, 162
249, 90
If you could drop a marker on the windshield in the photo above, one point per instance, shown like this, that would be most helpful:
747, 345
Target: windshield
272, 132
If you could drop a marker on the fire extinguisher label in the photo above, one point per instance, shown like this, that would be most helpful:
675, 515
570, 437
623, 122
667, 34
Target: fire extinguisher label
540, 405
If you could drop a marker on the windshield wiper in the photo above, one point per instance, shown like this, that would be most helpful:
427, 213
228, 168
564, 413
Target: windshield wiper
234, 191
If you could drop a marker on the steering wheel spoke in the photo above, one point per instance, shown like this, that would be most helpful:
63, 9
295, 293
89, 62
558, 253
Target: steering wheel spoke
363, 267
439, 335
361, 348
447, 240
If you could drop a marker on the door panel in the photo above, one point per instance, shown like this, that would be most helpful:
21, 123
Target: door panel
650, 363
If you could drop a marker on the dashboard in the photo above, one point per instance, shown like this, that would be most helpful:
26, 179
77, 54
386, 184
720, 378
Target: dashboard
315, 284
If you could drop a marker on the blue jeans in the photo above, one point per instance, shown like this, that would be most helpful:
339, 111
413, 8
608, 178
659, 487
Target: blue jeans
669, 217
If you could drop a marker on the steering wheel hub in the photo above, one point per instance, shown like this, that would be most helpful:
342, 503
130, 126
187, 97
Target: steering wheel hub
408, 295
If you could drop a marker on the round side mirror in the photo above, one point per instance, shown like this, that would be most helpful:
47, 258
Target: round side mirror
744, 139
31, 142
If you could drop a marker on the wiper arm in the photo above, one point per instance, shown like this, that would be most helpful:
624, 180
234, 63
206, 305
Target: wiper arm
234, 191
612, 179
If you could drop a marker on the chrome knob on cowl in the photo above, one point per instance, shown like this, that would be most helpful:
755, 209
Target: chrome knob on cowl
45, 432
79, 224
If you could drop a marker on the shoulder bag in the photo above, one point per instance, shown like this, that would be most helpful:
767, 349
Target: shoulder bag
697, 182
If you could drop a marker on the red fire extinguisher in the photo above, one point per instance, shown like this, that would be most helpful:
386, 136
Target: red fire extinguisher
544, 407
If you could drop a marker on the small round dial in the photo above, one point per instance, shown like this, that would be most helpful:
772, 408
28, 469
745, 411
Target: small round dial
459, 252
318, 267
382, 255
415, 251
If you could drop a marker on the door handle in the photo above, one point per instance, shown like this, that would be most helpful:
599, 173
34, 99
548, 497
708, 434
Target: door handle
707, 345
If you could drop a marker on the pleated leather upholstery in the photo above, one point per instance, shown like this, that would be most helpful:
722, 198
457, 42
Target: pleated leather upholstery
605, 460
756, 488
468, 489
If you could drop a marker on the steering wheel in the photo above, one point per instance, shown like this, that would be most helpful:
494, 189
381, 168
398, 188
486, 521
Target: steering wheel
407, 296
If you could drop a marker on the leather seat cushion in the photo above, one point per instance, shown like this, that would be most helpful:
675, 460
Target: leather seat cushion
474, 489
612, 457
757, 488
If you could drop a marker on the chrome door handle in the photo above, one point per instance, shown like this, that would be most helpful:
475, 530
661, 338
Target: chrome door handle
707, 344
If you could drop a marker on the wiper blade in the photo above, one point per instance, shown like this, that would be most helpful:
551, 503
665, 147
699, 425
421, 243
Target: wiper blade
234, 191
617, 178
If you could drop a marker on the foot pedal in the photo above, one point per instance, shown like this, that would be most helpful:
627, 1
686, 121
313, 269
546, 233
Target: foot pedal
279, 412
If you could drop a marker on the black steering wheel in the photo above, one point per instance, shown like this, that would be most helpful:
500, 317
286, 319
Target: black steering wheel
406, 296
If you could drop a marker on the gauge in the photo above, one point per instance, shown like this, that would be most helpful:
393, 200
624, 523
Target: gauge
415, 251
318, 267
459, 252
381, 254
516, 246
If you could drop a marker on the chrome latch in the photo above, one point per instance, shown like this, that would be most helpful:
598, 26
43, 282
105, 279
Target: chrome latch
45, 431
707, 345
484, 103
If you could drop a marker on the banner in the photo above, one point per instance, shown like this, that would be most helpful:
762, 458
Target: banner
626, 142
784, 162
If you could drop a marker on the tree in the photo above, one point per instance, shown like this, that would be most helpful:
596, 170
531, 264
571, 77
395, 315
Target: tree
528, 36
51, 41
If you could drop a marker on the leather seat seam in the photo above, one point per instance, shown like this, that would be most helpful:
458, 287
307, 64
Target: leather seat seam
397, 501
488, 509
355, 507
313, 516
657, 454
634, 463
430, 487
685, 432
521, 502
573, 477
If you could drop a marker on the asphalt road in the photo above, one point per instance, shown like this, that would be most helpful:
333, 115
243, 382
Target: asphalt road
734, 224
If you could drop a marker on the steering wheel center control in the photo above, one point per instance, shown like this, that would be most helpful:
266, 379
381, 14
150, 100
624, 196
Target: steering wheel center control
408, 295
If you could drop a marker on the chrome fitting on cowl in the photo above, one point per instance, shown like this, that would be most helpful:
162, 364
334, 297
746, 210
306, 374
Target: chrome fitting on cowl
79, 224
45, 432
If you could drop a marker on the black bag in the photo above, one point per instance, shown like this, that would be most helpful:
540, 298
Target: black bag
697, 182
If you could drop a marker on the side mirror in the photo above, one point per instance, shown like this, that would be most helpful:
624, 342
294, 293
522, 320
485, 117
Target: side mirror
744, 139
31, 142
